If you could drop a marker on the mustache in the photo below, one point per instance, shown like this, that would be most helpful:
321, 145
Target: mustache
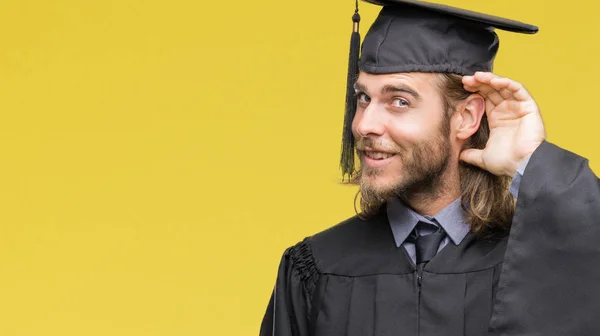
379, 145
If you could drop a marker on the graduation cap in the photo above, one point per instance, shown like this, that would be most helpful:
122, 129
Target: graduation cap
420, 36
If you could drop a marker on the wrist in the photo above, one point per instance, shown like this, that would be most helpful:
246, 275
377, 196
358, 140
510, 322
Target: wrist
512, 168
521, 164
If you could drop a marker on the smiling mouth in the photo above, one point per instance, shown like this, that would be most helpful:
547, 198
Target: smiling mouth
378, 155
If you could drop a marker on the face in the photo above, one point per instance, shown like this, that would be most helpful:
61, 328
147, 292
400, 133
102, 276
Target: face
402, 135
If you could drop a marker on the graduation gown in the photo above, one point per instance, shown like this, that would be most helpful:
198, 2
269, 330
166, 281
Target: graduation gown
540, 278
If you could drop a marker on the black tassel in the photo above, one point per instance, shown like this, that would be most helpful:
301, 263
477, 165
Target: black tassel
347, 159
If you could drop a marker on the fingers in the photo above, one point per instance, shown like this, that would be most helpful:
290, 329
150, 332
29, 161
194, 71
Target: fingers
495, 88
510, 88
473, 156
480, 83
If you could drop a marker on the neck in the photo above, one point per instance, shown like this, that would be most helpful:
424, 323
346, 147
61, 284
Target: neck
427, 206
430, 202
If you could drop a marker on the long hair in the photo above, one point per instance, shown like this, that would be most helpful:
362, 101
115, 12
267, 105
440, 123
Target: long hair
485, 197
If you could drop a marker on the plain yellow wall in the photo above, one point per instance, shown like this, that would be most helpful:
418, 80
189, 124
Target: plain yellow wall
157, 157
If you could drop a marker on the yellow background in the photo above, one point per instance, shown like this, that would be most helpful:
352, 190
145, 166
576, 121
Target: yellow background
157, 157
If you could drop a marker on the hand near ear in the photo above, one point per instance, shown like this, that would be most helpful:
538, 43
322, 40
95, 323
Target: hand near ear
516, 126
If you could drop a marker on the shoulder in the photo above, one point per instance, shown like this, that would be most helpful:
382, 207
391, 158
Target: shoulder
333, 242
346, 247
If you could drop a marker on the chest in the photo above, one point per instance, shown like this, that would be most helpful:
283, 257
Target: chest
426, 304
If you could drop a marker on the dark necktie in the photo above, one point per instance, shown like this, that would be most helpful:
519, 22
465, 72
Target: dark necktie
426, 246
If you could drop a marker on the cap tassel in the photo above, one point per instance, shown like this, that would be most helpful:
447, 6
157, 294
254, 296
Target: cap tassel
347, 159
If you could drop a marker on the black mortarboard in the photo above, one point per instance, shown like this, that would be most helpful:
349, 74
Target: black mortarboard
419, 36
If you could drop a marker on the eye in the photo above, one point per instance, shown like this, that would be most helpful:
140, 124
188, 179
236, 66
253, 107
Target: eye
399, 102
363, 98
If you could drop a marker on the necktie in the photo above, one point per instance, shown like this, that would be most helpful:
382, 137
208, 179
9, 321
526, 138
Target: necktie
426, 246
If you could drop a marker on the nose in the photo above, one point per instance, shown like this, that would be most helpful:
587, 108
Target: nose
368, 122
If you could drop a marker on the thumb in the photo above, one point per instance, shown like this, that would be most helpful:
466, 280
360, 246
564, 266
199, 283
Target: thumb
473, 156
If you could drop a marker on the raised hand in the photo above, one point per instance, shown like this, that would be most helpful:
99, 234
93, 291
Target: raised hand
516, 126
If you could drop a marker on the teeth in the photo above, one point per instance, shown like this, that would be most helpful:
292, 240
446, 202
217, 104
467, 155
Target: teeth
378, 155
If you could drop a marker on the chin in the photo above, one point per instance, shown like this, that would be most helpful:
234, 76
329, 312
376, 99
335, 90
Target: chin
381, 182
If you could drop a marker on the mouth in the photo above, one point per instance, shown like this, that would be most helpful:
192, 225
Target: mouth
377, 159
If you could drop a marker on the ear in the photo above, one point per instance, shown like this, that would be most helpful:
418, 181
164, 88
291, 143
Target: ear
469, 116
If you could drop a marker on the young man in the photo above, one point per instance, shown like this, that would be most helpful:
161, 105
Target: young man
471, 223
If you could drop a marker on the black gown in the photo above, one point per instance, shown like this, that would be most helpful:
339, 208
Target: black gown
541, 278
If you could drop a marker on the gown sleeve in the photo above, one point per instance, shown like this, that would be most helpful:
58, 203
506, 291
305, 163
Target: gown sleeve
288, 311
550, 279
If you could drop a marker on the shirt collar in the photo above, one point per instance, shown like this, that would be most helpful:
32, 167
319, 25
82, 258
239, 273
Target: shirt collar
403, 220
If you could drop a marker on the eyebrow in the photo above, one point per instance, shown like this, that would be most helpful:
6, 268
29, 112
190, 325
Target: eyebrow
390, 89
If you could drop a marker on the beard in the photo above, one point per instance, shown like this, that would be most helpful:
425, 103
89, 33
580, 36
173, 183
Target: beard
422, 171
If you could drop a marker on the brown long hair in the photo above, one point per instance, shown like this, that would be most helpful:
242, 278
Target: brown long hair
485, 197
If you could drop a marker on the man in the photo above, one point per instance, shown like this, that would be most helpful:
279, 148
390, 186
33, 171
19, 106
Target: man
471, 222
